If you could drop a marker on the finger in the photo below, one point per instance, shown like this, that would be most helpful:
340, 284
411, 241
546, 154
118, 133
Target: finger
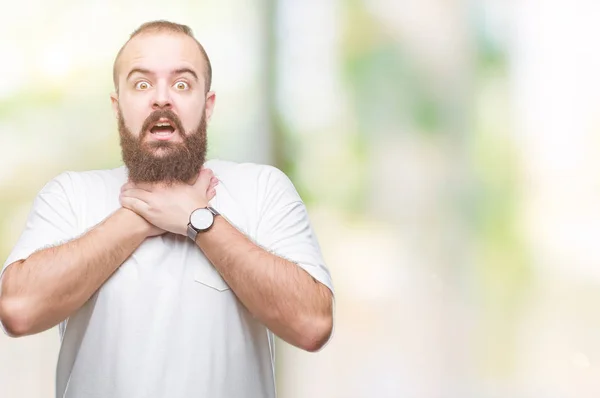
213, 182
211, 194
140, 185
203, 179
134, 204
207, 174
129, 185
137, 193
146, 186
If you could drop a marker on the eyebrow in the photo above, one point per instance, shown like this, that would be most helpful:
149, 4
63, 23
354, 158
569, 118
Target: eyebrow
181, 71
138, 70
148, 72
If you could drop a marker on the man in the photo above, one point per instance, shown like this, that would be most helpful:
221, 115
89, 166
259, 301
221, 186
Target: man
168, 276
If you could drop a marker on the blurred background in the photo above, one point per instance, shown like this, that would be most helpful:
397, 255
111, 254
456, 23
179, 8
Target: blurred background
448, 151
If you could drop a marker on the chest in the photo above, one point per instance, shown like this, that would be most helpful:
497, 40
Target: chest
169, 263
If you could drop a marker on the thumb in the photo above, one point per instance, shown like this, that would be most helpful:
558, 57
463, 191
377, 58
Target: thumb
203, 179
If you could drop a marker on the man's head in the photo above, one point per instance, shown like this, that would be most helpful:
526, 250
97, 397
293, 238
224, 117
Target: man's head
162, 101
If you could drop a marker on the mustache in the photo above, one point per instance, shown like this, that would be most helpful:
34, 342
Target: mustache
155, 116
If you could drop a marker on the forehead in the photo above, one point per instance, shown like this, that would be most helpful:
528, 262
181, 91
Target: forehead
161, 53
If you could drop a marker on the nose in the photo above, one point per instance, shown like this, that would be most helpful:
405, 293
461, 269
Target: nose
162, 99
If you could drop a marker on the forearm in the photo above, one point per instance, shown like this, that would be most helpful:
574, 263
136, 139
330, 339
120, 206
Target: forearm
280, 294
49, 285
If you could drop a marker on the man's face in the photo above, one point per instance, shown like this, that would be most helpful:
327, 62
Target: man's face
153, 161
162, 107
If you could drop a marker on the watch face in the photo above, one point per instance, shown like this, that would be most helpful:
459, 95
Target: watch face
201, 219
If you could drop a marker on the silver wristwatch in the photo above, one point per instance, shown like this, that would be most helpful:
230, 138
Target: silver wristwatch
201, 220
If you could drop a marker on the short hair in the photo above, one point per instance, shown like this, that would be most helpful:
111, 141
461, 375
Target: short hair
159, 26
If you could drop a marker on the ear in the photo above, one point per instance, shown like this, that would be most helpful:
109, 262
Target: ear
114, 99
209, 104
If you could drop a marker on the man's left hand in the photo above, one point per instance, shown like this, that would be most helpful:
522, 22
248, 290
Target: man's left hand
169, 207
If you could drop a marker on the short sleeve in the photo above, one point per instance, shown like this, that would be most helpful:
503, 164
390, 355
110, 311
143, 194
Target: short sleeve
284, 227
51, 221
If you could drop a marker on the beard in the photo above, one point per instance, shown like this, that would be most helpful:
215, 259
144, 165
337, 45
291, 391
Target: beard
163, 161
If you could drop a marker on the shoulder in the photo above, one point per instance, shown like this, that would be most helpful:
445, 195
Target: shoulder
118, 174
253, 181
235, 170
263, 177
71, 182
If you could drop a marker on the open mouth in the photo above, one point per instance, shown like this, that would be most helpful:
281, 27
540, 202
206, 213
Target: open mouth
164, 129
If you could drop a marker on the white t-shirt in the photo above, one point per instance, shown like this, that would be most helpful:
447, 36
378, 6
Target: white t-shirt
166, 324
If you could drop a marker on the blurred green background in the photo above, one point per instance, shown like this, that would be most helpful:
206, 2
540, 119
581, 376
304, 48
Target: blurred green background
447, 150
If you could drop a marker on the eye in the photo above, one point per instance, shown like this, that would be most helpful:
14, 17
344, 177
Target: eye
182, 86
142, 85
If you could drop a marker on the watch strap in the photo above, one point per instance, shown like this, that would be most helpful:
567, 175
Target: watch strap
213, 211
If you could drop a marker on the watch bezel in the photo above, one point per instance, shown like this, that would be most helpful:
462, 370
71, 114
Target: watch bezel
193, 230
205, 212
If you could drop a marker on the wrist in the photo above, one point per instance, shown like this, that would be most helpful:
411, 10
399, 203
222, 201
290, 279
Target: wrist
200, 221
202, 237
133, 222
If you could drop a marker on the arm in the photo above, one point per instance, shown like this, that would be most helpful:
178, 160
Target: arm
284, 297
41, 291
278, 292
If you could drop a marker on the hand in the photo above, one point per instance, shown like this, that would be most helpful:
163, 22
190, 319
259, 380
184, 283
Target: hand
168, 208
210, 193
